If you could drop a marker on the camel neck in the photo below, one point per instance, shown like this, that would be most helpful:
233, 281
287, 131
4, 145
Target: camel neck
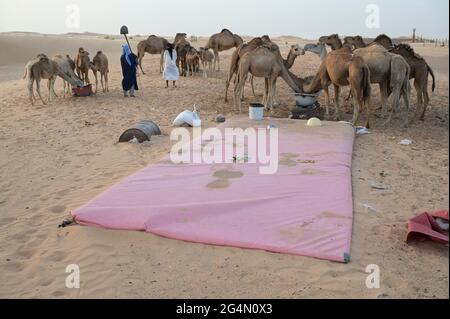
289, 62
336, 45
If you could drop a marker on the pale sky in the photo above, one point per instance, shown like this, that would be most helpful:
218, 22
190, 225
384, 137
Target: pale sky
306, 18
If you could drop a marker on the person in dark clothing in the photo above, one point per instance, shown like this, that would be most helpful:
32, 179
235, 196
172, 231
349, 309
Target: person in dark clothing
129, 68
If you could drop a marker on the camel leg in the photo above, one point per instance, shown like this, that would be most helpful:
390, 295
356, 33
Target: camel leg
368, 111
273, 89
266, 94
96, 82
161, 63
141, 56
205, 75
327, 101
106, 81
253, 85
102, 82
218, 62
426, 102
384, 98
240, 81
337, 93
395, 102
356, 106
405, 93
38, 90
51, 90
216, 58
420, 98
30, 90
227, 84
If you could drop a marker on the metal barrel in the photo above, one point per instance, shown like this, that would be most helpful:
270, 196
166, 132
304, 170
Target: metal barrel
142, 131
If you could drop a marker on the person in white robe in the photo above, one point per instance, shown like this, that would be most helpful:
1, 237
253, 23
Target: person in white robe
171, 72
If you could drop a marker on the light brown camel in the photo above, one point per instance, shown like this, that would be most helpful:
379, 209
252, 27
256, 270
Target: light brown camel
82, 62
152, 45
192, 60
389, 70
341, 68
264, 62
235, 58
65, 65
223, 41
206, 57
243, 49
420, 70
100, 64
40, 68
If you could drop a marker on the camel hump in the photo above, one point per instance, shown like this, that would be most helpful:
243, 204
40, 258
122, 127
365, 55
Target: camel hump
99, 52
225, 31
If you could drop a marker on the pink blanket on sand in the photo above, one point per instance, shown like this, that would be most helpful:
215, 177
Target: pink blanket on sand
305, 208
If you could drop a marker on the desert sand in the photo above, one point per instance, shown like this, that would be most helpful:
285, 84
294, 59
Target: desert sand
54, 158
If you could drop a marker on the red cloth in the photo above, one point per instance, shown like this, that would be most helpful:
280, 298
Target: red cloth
425, 226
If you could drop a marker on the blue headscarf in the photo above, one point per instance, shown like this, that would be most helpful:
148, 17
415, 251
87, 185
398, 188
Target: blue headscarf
127, 53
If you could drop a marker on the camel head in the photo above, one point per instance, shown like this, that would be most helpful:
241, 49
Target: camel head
355, 42
405, 50
332, 40
93, 67
179, 37
42, 57
297, 50
266, 39
84, 59
385, 41
318, 49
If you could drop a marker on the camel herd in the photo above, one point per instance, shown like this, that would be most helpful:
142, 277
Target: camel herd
75, 73
351, 63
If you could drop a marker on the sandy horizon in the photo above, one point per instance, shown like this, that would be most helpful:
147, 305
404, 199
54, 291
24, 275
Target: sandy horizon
55, 158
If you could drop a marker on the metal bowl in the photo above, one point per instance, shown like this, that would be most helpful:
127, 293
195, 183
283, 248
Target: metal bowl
305, 99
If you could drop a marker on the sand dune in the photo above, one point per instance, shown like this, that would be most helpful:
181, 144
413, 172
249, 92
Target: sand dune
57, 157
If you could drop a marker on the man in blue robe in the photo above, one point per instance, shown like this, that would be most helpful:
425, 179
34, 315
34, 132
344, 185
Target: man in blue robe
129, 68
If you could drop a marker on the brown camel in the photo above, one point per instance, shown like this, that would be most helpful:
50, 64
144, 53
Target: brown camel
100, 64
152, 45
223, 41
341, 68
389, 70
82, 62
192, 61
264, 62
206, 57
43, 68
182, 47
64, 63
420, 70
